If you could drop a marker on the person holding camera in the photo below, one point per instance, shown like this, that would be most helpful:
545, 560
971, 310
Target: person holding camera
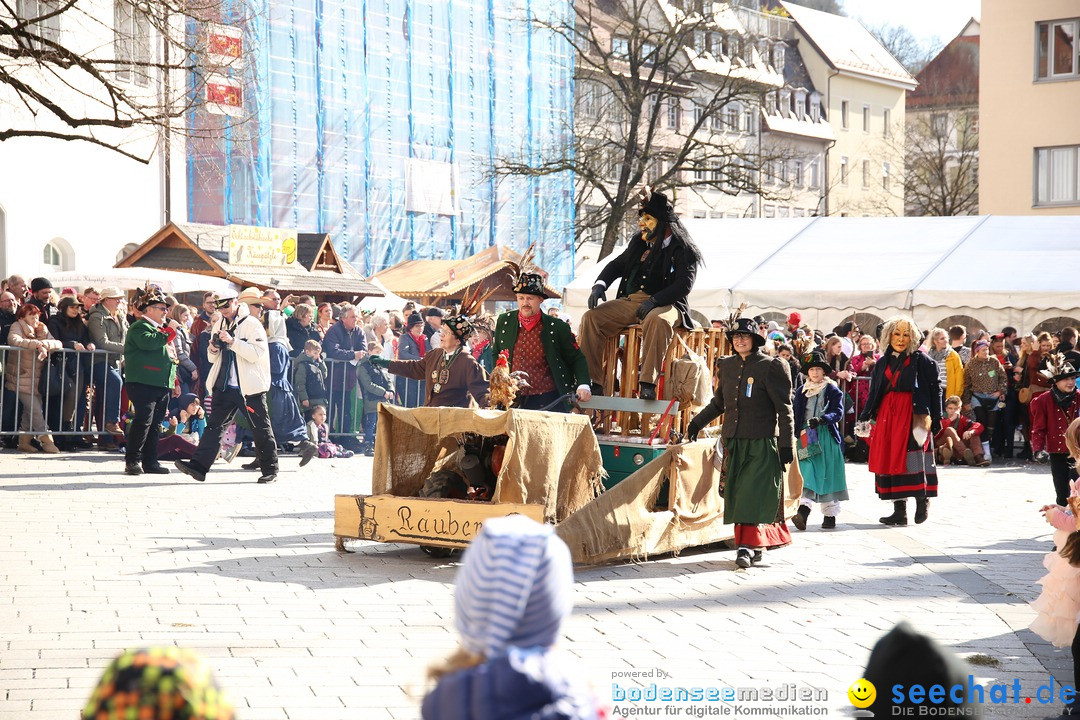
238, 380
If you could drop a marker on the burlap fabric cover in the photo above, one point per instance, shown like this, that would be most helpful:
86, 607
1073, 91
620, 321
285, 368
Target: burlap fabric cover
624, 523
551, 459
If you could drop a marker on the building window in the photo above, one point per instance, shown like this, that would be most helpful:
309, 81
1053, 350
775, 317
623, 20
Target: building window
778, 57
843, 170
51, 256
783, 211
46, 29
844, 114
798, 212
731, 117
939, 124
866, 118
674, 111
620, 47
785, 178
699, 215
785, 103
866, 173
888, 121
131, 42
749, 124
769, 211
885, 168
1057, 175
815, 106
800, 104
1058, 52
798, 173
814, 182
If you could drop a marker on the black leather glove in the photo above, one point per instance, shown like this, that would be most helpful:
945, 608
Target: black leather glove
813, 422
786, 455
379, 361
645, 308
692, 431
597, 296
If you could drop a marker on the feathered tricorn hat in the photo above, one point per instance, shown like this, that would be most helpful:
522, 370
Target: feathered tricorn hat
472, 305
525, 277
1058, 368
150, 295
654, 203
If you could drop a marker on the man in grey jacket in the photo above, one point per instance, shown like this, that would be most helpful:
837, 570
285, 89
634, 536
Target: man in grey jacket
108, 331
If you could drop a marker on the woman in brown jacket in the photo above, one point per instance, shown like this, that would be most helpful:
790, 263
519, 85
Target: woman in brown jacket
23, 373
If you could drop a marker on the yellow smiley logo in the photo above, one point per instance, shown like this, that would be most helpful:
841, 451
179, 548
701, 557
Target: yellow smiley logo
862, 693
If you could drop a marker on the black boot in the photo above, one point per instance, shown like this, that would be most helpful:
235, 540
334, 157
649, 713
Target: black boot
799, 519
829, 523
899, 516
922, 509
647, 391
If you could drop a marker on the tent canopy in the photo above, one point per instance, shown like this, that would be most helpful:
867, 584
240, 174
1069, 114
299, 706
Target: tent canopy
998, 270
170, 281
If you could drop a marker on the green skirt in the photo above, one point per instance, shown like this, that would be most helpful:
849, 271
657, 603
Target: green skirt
752, 481
824, 476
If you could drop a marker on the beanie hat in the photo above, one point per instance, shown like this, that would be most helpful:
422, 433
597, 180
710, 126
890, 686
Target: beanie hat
906, 657
433, 312
140, 682
794, 318
40, 283
186, 399
415, 319
515, 587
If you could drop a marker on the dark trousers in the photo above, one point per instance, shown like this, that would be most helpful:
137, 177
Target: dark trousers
370, 420
225, 406
541, 401
150, 404
1062, 471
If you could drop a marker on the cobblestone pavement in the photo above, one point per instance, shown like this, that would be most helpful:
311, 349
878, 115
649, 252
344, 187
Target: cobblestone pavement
92, 561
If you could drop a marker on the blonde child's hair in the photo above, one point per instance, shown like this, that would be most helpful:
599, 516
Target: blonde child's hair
313, 345
954, 400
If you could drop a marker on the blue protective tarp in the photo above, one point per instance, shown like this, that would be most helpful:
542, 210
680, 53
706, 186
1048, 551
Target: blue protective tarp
344, 96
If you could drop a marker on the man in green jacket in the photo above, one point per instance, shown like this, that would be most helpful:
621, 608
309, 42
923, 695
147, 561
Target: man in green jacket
543, 347
150, 378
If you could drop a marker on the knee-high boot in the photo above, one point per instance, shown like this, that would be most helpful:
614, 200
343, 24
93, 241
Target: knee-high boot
899, 516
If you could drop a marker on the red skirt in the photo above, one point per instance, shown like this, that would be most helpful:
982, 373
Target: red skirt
890, 437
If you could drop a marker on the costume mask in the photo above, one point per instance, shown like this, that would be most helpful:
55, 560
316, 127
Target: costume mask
901, 337
649, 227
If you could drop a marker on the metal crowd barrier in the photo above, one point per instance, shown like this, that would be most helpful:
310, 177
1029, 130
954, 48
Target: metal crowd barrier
68, 389
345, 406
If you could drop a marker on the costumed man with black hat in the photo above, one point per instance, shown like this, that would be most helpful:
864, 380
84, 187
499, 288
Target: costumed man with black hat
1051, 412
40, 290
451, 372
818, 408
238, 381
658, 269
754, 396
150, 378
541, 346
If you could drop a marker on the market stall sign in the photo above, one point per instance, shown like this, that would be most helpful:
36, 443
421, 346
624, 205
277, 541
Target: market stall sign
269, 247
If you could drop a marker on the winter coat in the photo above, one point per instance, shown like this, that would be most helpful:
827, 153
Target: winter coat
834, 410
409, 347
375, 382
1049, 422
309, 377
299, 335
520, 685
765, 413
340, 344
673, 272
182, 346
252, 354
107, 333
146, 357
23, 368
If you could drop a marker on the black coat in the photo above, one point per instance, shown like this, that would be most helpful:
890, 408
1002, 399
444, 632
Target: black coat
676, 264
298, 335
766, 413
918, 377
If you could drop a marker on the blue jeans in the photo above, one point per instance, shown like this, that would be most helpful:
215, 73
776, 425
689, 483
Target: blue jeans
107, 384
370, 421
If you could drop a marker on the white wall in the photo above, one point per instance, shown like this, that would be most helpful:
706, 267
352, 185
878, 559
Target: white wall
95, 200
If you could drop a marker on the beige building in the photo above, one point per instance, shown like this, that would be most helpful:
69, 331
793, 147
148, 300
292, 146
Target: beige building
863, 91
1029, 98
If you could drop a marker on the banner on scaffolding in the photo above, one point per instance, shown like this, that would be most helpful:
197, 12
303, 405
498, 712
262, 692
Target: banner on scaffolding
224, 96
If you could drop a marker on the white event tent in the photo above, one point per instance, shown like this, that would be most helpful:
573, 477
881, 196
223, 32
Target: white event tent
993, 270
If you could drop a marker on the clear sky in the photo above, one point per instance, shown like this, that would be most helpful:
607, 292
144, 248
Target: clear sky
924, 18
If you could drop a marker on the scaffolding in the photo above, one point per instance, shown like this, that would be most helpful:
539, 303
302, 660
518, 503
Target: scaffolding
380, 122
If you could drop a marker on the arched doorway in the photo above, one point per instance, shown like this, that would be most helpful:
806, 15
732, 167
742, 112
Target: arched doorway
972, 325
1054, 324
57, 256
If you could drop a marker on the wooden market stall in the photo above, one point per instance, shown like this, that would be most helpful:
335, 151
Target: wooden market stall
288, 261
441, 282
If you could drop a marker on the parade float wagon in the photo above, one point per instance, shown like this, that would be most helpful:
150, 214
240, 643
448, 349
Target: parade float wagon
625, 494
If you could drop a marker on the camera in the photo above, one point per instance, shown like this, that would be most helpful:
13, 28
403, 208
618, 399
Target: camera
217, 342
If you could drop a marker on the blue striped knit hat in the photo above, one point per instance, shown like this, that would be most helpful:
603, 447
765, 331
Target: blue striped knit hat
515, 587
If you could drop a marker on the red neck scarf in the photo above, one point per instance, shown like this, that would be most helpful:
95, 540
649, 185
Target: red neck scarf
529, 322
